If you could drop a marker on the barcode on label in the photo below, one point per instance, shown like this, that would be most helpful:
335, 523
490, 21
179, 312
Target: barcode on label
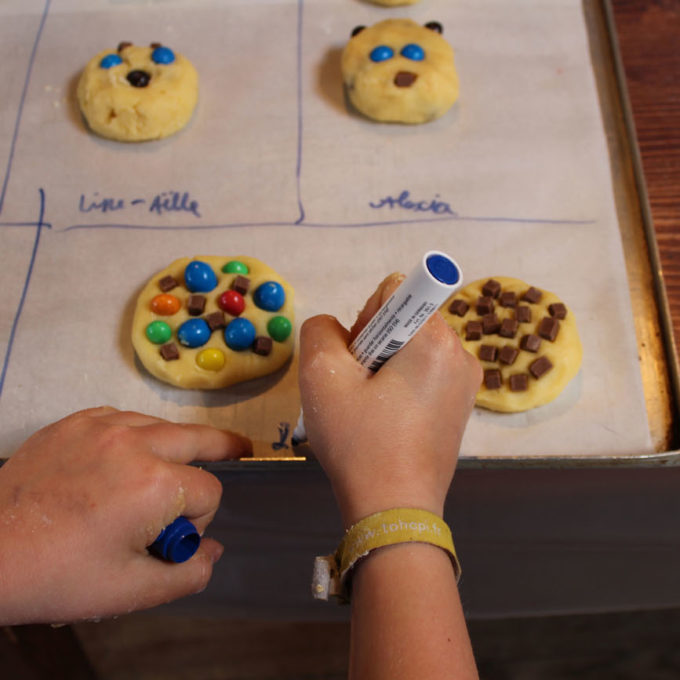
390, 348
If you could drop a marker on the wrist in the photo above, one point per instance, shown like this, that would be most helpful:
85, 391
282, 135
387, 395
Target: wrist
356, 507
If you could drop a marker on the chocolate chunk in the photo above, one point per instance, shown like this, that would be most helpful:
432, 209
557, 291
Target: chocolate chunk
167, 283
405, 78
262, 345
138, 78
473, 330
154, 45
540, 366
485, 305
519, 382
241, 284
508, 354
491, 288
488, 352
196, 304
508, 328
530, 343
492, 379
490, 324
533, 295
215, 320
558, 310
549, 328
508, 299
459, 307
122, 45
169, 351
435, 26
523, 314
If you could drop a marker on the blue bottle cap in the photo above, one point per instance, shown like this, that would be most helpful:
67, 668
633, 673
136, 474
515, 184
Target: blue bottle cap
443, 269
177, 542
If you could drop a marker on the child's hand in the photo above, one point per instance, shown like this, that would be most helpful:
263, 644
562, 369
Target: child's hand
388, 439
82, 499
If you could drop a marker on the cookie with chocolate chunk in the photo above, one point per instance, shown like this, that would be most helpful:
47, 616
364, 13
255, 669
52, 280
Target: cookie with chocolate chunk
397, 71
211, 321
525, 338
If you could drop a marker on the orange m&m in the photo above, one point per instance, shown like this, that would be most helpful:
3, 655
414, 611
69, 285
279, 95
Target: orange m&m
165, 304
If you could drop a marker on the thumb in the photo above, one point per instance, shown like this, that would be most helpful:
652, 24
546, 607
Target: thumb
158, 582
375, 302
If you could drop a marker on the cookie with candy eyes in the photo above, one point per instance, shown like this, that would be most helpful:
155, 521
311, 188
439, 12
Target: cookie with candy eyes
208, 322
135, 94
399, 71
525, 338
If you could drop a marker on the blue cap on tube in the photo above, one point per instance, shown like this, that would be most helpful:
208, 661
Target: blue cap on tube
177, 542
443, 268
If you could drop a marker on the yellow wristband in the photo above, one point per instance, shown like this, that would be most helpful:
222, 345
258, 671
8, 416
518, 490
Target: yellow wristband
399, 525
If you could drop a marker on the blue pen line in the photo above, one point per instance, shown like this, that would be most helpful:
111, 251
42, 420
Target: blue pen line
298, 167
20, 110
329, 225
39, 227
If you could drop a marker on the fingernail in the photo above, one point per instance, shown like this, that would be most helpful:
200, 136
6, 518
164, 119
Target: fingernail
218, 552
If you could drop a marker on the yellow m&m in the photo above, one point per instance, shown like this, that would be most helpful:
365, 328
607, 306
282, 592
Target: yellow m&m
211, 359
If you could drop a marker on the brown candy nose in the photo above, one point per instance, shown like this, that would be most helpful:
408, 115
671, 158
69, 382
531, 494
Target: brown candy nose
405, 79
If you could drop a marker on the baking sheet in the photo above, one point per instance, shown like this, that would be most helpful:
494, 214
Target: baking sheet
281, 169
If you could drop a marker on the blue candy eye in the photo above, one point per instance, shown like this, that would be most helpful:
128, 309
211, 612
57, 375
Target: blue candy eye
413, 52
110, 60
163, 55
381, 53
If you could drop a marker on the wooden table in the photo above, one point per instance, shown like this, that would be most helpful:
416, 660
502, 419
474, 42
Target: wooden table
649, 42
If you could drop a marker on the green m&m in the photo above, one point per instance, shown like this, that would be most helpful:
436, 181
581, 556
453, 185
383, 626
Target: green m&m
279, 328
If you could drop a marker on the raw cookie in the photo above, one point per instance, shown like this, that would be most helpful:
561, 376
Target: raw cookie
209, 321
398, 71
134, 94
525, 338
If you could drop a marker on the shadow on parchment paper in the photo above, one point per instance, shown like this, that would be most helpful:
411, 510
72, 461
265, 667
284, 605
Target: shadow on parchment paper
329, 80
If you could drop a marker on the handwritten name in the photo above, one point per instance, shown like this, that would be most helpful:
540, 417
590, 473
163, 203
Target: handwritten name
160, 204
405, 202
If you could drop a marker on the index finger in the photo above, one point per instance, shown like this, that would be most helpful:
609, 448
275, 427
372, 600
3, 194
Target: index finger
184, 443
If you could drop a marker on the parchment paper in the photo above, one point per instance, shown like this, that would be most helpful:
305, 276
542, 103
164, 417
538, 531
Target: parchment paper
276, 165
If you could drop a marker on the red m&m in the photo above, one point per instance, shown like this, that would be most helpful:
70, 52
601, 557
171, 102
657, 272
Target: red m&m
231, 302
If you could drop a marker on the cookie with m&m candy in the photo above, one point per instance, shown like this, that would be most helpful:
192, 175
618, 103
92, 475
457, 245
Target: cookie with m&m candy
210, 321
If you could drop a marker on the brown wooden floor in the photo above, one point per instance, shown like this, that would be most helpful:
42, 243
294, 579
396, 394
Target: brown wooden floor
628, 646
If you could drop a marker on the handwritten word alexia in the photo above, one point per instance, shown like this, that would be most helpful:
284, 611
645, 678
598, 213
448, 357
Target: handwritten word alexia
404, 202
165, 202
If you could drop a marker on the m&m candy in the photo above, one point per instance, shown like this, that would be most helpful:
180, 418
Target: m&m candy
199, 277
193, 333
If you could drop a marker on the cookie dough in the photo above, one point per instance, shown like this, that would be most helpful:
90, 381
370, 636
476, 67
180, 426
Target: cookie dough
398, 71
135, 94
208, 322
526, 339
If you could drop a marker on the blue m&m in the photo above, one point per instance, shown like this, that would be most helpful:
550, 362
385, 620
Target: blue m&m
381, 53
193, 333
413, 52
199, 277
162, 55
239, 334
270, 296
110, 60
